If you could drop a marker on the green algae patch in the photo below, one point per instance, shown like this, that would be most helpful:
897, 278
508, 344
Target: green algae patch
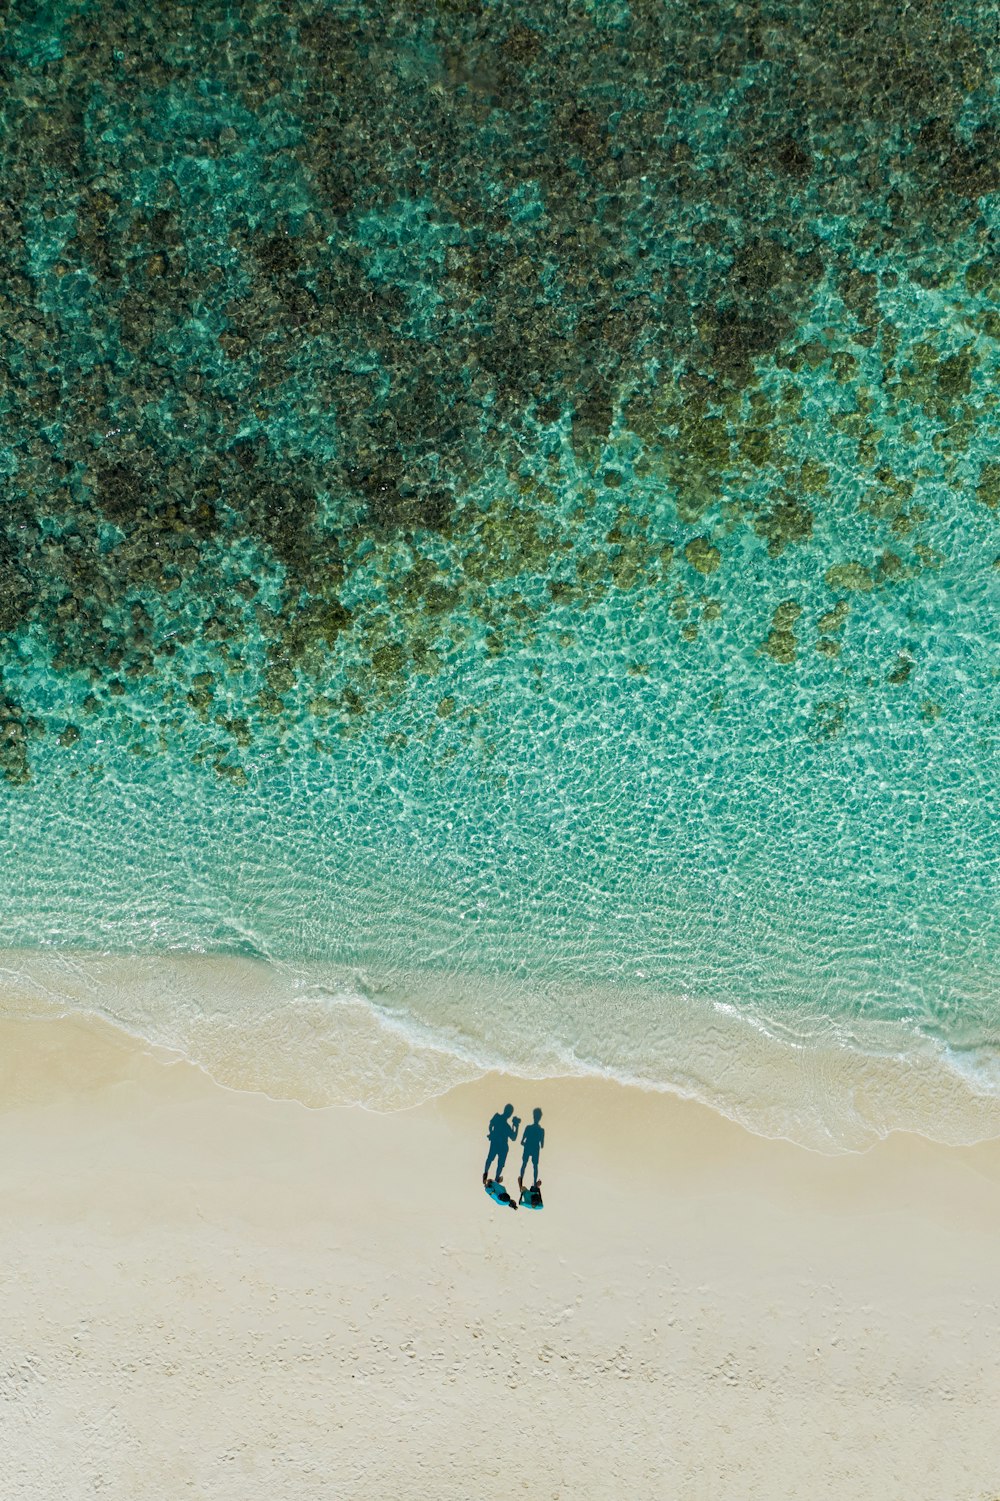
813, 479
953, 377
889, 498
13, 743
889, 567
937, 383
988, 488
702, 556
853, 577
827, 719
786, 523
930, 558
688, 440
900, 673
232, 773
786, 614
781, 644
984, 276
834, 620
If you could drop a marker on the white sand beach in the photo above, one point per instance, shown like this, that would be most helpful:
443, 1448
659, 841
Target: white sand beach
210, 1294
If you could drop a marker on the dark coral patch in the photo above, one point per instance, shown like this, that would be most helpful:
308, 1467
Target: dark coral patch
280, 300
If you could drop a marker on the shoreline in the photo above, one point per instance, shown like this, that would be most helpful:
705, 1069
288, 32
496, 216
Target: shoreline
327, 1036
212, 1292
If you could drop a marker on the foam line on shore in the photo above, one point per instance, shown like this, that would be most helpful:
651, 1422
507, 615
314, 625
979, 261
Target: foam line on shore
390, 1041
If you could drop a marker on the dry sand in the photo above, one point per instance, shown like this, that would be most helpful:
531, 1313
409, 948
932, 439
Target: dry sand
210, 1294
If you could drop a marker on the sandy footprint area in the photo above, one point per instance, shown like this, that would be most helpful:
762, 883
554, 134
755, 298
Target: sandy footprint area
211, 1294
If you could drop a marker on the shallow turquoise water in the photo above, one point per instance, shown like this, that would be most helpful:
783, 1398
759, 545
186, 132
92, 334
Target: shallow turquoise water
519, 541
693, 833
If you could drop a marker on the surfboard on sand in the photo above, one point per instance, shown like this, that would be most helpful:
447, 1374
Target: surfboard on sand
499, 1194
531, 1198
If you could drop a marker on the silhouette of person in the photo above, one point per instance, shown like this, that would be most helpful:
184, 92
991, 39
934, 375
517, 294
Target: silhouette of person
502, 1131
532, 1141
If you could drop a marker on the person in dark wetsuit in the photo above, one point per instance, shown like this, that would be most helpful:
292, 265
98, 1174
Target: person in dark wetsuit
532, 1141
502, 1131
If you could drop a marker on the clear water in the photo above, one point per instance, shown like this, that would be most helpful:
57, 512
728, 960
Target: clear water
670, 754
624, 844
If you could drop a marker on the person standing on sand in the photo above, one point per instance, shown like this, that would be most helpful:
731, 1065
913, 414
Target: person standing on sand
501, 1132
532, 1141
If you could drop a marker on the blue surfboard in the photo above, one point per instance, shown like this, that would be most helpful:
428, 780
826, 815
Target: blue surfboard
499, 1194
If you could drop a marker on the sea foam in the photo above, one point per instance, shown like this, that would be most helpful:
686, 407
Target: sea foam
357, 1038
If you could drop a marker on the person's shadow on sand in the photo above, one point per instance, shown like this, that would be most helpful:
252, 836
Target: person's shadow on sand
502, 1130
532, 1141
